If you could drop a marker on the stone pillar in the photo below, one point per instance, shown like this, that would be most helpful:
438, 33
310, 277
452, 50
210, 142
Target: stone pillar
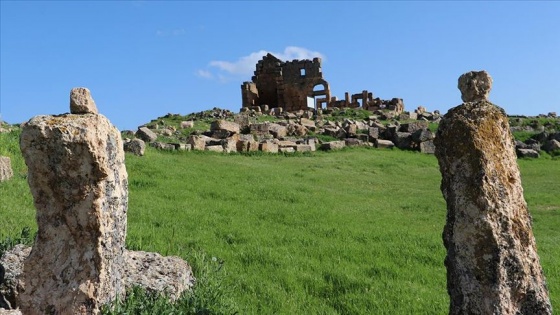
78, 181
492, 262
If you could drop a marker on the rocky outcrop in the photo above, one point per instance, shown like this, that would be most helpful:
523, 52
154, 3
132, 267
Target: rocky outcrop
6, 171
78, 181
492, 262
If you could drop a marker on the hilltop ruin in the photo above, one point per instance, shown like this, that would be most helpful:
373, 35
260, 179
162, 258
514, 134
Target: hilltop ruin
299, 85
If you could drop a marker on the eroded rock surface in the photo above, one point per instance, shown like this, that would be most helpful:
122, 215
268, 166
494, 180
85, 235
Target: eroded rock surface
81, 101
11, 263
169, 275
78, 181
492, 262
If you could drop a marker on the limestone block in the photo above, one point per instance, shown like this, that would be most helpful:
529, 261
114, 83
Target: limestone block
221, 124
229, 145
303, 148
168, 275
278, 131
352, 142
308, 123
81, 101
422, 135
413, 126
492, 262
6, 171
287, 150
197, 142
215, 148
380, 143
268, 147
78, 181
332, 145
146, 134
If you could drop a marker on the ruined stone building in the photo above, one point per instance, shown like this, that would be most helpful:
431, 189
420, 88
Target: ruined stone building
299, 84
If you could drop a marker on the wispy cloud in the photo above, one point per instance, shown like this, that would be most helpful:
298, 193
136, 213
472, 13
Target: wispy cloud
204, 74
244, 66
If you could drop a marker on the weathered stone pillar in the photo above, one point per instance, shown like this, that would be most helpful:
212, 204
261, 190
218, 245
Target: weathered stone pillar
492, 262
78, 181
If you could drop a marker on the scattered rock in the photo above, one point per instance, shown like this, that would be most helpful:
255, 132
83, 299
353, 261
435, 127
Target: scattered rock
527, 153
492, 262
81, 101
169, 275
135, 146
551, 145
146, 134
187, 124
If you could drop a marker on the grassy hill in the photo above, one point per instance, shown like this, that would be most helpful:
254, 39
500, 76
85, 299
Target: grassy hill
356, 231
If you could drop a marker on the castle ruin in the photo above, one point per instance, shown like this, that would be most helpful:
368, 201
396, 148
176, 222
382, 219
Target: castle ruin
299, 85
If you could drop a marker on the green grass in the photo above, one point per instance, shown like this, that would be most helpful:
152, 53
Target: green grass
351, 232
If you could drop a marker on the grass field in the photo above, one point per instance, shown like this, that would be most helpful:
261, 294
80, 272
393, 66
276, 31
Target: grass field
350, 232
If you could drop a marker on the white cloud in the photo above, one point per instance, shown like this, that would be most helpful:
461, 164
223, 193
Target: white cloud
245, 65
204, 74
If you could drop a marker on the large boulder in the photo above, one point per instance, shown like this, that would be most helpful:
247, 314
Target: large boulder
6, 171
492, 262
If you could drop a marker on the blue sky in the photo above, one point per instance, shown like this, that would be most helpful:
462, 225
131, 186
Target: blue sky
144, 59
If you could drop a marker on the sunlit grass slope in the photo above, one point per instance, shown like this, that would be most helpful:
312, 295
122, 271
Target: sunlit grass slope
350, 232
